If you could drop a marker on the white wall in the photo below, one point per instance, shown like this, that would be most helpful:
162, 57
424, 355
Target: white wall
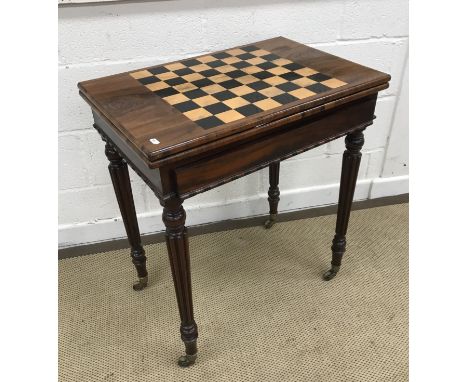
102, 39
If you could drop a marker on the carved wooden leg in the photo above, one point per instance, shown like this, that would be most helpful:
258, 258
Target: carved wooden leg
118, 170
178, 250
349, 172
273, 194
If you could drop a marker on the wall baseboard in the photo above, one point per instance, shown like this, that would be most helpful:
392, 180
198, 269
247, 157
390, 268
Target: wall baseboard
389, 186
224, 225
81, 234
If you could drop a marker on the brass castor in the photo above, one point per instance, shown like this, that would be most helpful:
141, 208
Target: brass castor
187, 360
270, 222
328, 275
141, 284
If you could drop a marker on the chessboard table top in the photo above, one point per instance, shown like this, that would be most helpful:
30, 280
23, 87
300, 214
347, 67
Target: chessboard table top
166, 109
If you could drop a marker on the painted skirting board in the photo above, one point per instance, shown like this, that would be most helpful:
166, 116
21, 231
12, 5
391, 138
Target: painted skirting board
109, 229
389, 186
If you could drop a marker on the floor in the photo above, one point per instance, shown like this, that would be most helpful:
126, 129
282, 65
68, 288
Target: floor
263, 311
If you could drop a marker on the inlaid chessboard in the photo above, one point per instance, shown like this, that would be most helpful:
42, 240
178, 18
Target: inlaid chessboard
224, 87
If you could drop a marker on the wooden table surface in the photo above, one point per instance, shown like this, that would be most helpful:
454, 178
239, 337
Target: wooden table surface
221, 97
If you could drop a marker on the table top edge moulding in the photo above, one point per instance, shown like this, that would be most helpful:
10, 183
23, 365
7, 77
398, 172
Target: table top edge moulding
270, 81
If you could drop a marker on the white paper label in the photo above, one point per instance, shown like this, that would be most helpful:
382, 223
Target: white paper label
154, 141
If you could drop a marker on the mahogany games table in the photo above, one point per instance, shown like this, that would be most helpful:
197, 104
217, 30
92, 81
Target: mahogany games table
189, 126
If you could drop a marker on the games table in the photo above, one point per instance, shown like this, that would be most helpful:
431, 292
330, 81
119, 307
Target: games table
189, 126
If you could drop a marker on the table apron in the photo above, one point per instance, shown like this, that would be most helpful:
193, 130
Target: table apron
223, 166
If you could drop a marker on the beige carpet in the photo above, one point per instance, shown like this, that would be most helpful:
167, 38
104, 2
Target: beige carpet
263, 312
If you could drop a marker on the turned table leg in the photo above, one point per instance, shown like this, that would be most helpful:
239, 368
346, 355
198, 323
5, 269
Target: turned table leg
349, 172
178, 251
273, 194
118, 170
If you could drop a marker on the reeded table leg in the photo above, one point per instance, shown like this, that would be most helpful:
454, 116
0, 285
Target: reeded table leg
273, 194
178, 250
118, 170
349, 172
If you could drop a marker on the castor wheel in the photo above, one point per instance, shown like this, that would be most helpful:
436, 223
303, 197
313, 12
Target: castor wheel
331, 273
270, 222
187, 360
141, 284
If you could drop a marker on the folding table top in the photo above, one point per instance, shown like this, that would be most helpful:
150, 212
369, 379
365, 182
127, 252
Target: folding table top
167, 109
